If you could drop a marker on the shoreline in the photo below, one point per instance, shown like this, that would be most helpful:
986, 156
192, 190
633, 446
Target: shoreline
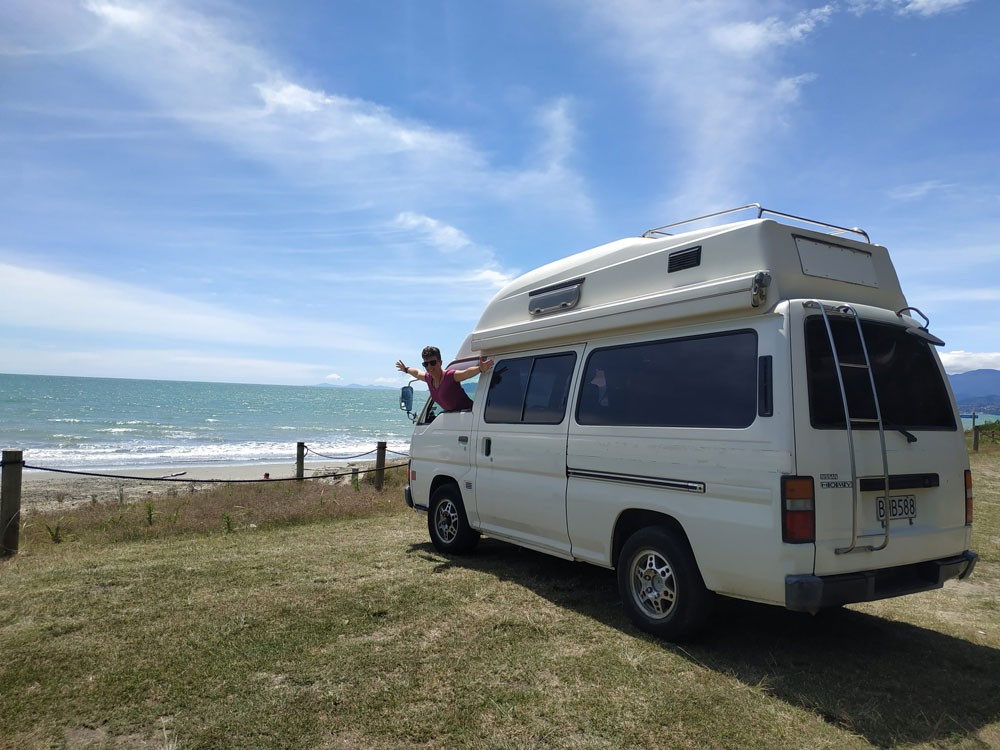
45, 491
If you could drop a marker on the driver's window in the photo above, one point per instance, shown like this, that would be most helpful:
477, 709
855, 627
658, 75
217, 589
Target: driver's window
429, 413
432, 410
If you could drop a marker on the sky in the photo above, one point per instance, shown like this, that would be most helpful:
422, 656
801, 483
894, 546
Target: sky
303, 192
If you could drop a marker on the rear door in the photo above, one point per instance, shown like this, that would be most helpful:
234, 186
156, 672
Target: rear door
520, 449
924, 445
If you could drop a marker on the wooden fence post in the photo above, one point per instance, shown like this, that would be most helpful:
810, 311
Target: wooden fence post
10, 502
380, 465
300, 460
975, 438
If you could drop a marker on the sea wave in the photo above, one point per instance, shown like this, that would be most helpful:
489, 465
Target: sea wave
155, 456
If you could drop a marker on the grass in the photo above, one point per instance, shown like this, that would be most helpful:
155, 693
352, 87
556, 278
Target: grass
323, 618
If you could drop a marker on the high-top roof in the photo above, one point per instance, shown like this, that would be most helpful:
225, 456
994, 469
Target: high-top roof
734, 269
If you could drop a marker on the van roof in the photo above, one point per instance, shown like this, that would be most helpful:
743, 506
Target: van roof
734, 269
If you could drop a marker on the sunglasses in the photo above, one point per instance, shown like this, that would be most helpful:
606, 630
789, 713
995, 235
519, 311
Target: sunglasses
429, 363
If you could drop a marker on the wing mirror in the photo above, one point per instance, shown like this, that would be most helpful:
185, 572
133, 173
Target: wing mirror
406, 401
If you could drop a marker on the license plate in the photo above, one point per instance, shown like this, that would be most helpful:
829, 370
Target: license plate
900, 506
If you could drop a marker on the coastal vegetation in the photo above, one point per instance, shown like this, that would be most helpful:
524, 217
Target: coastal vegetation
307, 615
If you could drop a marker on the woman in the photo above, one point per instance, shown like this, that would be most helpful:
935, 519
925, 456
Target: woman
444, 384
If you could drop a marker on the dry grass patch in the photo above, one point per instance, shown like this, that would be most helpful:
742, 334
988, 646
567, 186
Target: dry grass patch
212, 508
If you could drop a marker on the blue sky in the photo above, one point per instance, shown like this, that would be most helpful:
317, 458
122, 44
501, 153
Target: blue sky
302, 192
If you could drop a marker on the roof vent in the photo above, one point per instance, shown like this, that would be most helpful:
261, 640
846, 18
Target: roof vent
550, 299
684, 259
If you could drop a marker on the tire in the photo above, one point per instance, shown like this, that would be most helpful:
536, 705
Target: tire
447, 523
660, 585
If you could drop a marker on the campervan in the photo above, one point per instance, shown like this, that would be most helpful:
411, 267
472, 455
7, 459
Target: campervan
749, 409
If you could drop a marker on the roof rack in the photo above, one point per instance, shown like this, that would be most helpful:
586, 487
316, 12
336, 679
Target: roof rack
659, 231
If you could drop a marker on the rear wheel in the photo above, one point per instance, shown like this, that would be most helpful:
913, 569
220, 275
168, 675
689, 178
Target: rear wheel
447, 523
660, 585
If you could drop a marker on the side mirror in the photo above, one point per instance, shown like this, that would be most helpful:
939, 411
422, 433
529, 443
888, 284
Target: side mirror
406, 398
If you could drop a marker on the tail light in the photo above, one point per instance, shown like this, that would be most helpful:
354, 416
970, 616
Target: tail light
968, 497
798, 510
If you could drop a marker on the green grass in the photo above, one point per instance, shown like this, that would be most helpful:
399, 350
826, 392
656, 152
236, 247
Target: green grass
306, 627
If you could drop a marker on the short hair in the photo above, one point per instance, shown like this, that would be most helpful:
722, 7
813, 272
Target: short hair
430, 352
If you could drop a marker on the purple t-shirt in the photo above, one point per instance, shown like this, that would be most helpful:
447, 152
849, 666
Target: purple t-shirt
450, 395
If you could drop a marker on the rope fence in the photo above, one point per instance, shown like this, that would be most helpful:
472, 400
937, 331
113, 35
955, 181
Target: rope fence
13, 464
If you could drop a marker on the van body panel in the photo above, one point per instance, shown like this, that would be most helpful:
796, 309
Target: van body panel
521, 485
443, 453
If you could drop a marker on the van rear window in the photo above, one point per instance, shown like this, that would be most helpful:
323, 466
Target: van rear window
911, 391
701, 381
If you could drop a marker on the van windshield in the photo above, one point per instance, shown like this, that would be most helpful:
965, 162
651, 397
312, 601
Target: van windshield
911, 391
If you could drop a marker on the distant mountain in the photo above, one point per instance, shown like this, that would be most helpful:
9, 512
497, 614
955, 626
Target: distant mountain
977, 390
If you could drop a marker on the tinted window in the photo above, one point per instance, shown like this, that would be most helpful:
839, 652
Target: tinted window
705, 381
530, 389
911, 392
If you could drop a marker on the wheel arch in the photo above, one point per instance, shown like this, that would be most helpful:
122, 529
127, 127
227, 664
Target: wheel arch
442, 480
633, 519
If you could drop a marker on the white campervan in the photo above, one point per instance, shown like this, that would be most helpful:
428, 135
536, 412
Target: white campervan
751, 409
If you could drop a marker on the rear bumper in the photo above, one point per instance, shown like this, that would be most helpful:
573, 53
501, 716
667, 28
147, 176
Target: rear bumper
809, 593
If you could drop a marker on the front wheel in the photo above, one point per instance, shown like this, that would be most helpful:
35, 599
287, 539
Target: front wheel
447, 523
660, 584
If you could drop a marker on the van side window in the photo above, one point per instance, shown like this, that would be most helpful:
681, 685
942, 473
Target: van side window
698, 381
530, 390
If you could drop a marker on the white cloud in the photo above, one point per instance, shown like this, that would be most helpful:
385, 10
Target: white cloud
155, 364
753, 38
714, 71
118, 15
548, 176
919, 190
925, 8
439, 235
958, 361
333, 377
34, 299
197, 70
291, 98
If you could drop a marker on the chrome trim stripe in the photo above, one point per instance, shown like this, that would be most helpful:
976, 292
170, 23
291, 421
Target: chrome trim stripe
668, 484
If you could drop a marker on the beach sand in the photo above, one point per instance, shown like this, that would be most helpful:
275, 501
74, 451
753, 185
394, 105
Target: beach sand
43, 491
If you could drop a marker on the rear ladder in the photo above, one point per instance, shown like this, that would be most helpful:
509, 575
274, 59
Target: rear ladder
848, 311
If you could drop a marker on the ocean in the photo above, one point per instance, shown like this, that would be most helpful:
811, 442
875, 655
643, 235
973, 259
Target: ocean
88, 423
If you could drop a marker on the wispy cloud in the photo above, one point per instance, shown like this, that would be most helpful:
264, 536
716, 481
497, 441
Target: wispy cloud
926, 8
200, 71
548, 176
437, 234
154, 363
719, 66
100, 309
919, 190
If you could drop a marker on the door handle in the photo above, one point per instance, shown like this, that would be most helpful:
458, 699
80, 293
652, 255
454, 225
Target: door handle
463, 439
487, 446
